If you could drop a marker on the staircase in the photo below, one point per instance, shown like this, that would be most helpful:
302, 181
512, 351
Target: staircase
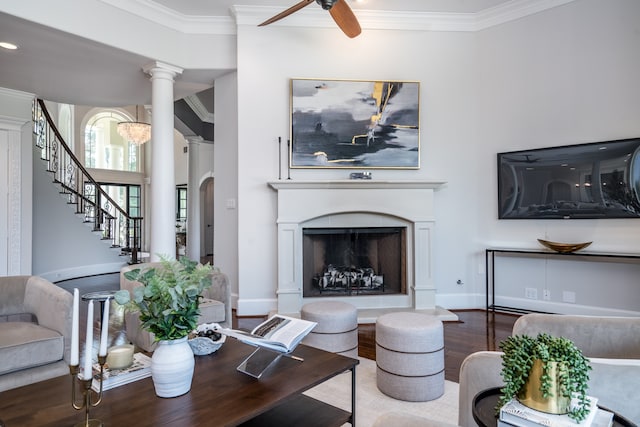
82, 191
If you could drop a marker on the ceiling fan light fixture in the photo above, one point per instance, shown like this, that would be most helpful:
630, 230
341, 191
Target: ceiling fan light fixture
135, 132
339, 10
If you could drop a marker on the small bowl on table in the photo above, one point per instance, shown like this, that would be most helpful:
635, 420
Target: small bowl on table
563, 248
201, 344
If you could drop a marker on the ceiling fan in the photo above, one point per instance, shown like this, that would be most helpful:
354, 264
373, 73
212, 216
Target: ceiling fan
339, 10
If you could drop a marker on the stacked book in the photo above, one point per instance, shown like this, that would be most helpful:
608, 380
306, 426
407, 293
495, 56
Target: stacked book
139, 369
515, 414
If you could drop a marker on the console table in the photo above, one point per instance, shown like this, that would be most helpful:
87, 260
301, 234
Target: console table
490, 254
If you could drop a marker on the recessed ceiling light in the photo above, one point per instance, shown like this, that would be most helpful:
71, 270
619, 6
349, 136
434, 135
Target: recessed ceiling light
9, 46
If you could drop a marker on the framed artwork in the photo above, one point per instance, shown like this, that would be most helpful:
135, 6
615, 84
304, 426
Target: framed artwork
355, 124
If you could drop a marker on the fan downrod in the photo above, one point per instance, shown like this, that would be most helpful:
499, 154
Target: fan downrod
326, 4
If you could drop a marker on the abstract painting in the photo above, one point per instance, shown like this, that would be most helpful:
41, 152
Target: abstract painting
355, 124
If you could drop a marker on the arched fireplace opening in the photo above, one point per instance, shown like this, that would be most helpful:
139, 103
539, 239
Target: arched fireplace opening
354, 261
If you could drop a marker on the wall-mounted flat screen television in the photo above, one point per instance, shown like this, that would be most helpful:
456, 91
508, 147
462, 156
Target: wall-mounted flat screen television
595, 180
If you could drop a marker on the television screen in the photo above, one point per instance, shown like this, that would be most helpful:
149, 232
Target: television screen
595, 180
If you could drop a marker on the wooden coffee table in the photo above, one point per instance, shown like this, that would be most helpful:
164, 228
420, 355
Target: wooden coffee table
219, 396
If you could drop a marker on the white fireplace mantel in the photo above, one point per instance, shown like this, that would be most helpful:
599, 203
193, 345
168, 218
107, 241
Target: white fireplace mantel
301, 203
354, 183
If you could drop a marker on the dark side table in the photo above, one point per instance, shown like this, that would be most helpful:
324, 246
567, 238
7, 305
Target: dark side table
484, 410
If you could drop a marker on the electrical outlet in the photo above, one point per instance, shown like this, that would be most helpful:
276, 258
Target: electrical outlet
531, 293
546, 294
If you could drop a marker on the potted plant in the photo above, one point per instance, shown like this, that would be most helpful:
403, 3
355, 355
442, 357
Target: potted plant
168, 306
545, 373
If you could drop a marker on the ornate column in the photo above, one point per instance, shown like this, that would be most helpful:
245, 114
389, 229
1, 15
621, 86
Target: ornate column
194, 217
163, 182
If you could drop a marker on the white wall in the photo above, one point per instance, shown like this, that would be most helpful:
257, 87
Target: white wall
64, 246
565, 76
269, 57
225, 249
181, 159
562, 76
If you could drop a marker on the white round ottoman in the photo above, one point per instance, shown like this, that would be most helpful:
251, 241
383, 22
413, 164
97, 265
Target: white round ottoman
337, 329
410, 356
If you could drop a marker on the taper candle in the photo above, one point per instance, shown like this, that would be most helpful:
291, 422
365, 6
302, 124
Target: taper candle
74, 329
105, 329
88, 345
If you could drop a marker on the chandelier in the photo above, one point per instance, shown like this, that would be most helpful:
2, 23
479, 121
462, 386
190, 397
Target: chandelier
135, 132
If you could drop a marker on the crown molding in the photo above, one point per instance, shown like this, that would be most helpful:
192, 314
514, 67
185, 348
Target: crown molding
198, 107
515, 9
318, 18
187, 24
17, 94
407, 21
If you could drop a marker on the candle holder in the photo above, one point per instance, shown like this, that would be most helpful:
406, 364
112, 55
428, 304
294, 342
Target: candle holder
90, 398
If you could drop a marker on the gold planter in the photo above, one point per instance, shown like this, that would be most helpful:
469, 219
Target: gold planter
531, 396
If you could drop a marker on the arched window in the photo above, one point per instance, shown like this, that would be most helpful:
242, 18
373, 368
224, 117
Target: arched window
104, 148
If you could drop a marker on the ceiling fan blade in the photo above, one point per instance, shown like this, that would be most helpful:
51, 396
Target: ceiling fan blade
287, 12
344, 17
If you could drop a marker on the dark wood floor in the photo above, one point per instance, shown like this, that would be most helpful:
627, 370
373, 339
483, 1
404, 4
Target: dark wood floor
476, 330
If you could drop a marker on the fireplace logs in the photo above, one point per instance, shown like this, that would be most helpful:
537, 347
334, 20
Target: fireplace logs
344, 261
348, 279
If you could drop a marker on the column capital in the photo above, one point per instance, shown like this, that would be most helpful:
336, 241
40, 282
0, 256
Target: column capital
162, 69
194, 139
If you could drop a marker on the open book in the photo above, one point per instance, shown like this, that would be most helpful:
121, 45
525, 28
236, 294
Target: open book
279, 333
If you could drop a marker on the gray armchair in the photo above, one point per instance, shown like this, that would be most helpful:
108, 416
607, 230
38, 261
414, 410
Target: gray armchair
611, 343
216, 306
35, 330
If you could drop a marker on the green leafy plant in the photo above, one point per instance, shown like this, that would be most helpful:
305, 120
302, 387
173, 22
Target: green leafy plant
168, 301
520, 352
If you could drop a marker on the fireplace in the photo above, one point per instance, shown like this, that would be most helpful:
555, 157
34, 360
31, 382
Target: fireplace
353, 261
320, 228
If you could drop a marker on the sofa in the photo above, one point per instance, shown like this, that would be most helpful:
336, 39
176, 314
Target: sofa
612, 345
214, 308
35, 330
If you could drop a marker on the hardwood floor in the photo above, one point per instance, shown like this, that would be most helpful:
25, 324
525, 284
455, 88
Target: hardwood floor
476, 330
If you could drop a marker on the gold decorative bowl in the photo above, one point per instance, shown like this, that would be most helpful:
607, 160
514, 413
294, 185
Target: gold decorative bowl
563, 248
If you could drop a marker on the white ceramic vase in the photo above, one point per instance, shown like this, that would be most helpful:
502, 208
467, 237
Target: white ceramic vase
172, 367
